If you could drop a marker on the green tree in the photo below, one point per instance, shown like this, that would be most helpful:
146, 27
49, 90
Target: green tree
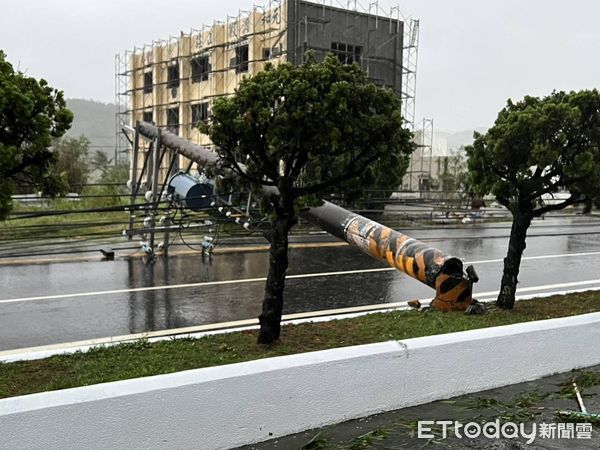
305, 130
454, 172
536, 148
99, 161
380, 180
112, 188
71, 163
116, 175
31, 114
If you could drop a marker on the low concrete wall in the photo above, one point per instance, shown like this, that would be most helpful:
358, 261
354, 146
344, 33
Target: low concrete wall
226, 406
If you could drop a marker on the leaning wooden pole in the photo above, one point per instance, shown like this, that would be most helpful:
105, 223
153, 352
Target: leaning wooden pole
418, 260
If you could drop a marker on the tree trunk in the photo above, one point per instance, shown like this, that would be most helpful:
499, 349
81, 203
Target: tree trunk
512, 262
272, 307
587, 206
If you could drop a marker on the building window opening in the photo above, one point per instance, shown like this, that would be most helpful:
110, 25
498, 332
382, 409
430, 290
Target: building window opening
148, 117
200, 68
199, 113
272, 52
173, 120
173, 76
347, 53
148, 82
241, 59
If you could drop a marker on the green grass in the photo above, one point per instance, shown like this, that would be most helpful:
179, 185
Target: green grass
584, 379
105, 364
358, 443
77, 221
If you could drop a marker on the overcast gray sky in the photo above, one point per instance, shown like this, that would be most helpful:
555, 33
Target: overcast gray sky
474, 54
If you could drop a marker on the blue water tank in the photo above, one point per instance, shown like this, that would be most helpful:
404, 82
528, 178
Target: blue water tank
189, 192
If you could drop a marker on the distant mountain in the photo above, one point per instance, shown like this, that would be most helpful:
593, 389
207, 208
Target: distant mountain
95, 121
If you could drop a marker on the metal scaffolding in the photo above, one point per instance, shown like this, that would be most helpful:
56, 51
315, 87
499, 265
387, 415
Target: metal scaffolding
122, 102
157, 83
418, 176
409, 71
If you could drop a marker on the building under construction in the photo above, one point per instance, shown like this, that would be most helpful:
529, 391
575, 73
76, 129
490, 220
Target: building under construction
173, 82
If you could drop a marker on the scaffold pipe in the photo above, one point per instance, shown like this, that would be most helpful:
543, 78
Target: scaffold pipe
418, 260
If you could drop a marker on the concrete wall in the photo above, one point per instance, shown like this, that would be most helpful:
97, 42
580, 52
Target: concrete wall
315, 27
226, 406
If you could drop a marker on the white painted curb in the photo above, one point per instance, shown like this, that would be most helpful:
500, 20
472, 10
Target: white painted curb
227, 406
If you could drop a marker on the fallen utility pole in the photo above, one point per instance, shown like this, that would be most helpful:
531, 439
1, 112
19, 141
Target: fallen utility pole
418, 260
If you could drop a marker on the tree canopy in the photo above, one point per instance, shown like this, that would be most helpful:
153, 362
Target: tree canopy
72, 161
99, 161
31, 114
538, 147
307, 130
322, 122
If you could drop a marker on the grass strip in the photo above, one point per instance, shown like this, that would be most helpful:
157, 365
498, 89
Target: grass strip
140, 359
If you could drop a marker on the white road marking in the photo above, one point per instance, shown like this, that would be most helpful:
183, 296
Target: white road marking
530, 258
262, 279
543, 287
32, 353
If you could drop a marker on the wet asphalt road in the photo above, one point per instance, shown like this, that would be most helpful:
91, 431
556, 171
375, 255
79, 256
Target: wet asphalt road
26, 323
